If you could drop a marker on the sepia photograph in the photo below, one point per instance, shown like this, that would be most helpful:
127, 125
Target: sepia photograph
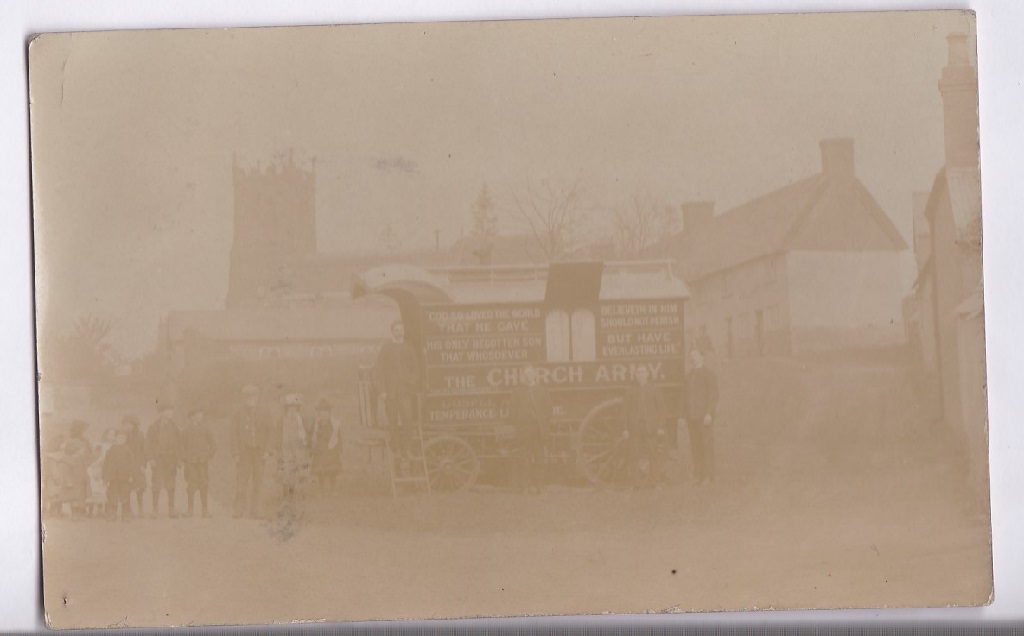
510, 318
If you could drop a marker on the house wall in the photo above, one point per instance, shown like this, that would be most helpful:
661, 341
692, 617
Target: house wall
926, 328
840, 299
948, 290
929, 388
973, 402
727, 305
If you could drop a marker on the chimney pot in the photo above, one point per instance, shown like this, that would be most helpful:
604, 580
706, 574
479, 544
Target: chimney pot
958, 49
958, 86
837, 157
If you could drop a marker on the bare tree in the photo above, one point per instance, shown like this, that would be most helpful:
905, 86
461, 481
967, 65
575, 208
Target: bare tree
83, 353
640, 222
485, 221
552, 212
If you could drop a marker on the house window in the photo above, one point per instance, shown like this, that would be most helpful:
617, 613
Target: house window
726, 284
320, 351
571, 337
771, 316
769, 269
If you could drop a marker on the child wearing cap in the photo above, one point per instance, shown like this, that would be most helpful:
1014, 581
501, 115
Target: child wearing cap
325, 443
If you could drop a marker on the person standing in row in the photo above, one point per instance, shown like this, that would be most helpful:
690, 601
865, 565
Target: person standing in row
295, 445
137, 443
96, 503
700, 404
398, 378
250, 444
325, 444
163, 448
199, 448
120, 470
530, 413
644, 407
74, 456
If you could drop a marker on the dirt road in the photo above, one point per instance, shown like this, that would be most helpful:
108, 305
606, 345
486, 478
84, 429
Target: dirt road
827, 499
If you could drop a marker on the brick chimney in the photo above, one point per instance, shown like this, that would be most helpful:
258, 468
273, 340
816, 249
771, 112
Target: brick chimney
837, 158
959, 89
697, 214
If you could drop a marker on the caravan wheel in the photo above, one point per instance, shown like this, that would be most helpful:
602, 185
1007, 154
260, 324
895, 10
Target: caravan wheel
601, 453
452, 464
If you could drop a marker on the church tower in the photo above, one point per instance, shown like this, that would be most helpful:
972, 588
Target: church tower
275, 223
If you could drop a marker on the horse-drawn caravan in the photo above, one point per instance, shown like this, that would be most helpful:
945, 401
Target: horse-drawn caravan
585, 327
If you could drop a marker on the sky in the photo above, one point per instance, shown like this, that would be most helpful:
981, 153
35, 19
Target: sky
133, 133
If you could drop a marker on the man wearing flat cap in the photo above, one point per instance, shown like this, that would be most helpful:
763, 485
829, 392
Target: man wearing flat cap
199, 448
251, 431
163, 449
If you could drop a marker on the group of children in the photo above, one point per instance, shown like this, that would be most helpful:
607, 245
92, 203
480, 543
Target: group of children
100, 481
109, 479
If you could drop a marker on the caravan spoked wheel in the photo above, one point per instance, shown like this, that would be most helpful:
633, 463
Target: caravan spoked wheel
601, 454
452, 464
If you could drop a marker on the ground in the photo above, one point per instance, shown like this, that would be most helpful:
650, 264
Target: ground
833, 492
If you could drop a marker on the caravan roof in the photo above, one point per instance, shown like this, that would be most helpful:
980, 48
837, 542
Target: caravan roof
622, 280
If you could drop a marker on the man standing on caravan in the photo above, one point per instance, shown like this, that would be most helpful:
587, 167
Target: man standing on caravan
397, 376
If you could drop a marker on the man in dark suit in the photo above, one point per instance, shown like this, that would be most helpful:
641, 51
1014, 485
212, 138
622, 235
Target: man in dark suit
120, 467
137, 442
198, 449
701, 401
251, 431
398, 378
644, 408
163, 449
530, 413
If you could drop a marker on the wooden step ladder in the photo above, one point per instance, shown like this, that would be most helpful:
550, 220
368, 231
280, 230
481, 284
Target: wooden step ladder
417, 473
369, 414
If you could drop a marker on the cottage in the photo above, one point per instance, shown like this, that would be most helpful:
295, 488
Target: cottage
812, 266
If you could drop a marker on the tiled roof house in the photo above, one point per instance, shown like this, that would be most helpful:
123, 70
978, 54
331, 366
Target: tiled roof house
947, 294
813, 265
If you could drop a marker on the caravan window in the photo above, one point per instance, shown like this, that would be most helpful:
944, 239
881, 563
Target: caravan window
571, 337
584, 337
559, 336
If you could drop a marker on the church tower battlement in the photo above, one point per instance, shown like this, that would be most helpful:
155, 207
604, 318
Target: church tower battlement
274, 223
